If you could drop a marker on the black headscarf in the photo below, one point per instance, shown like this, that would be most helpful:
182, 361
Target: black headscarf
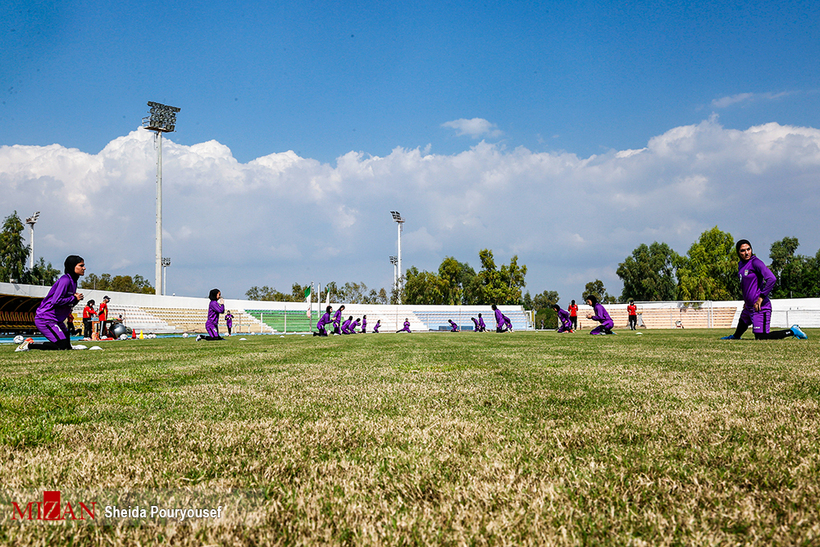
70, 263
213, 294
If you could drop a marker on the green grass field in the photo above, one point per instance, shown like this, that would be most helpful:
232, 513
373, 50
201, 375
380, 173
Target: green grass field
668, 438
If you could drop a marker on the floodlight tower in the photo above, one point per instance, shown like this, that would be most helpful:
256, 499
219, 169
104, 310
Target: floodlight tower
166, 261
31, 221
162, 119
400, 221
394, 261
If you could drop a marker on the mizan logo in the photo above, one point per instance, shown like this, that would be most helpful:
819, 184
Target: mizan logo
51, 508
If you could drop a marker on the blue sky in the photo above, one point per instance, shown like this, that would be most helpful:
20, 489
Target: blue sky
324, 79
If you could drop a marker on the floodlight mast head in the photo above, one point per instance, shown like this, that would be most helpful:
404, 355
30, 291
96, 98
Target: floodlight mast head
397, 216
163, 118
31, 221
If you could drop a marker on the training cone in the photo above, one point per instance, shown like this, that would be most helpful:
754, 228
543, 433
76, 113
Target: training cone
141, 336
133, 334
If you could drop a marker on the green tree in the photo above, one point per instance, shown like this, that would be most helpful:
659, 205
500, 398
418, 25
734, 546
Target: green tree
458, 277
13, 252
498, 285
542, 304
42, 274
270, 294
709, 269
118, 283
649, 274
599, 290
787, 267
545, 300
424, 287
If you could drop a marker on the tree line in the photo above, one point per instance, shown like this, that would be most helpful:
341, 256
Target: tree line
708, 271
14, 258
351, 293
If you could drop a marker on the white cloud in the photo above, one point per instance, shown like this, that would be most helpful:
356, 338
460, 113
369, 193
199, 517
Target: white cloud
475, 128
739, 98
281, 218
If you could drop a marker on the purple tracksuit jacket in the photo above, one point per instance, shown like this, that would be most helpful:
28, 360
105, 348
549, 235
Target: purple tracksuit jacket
566, 322
602, 316
756, 280
59, 301
214, 309
499, 319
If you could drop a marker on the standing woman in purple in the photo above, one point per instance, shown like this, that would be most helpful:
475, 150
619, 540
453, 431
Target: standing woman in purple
56, 307
216, 307
229, 321
756, 283
601, 315
565, 323
324, 320
364, 324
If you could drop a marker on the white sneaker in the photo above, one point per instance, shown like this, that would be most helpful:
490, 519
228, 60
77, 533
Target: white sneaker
198, 337
24, 345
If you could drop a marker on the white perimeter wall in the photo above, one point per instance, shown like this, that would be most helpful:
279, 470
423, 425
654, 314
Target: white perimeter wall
785, 312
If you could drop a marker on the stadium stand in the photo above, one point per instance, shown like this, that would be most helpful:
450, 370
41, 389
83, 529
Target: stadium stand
283, 320
160, 314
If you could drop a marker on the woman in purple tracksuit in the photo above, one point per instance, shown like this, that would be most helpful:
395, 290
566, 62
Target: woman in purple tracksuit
601, 315
377, 326
406, 326
325, 320
565, 323
56, 307
229, 321
216, 307
364, 324
482, 326
500, 324
346, 325
453, 326
756, 283
337, 320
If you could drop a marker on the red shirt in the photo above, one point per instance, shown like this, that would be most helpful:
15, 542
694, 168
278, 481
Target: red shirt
632, 309
88, 311
573, 310
103, 311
